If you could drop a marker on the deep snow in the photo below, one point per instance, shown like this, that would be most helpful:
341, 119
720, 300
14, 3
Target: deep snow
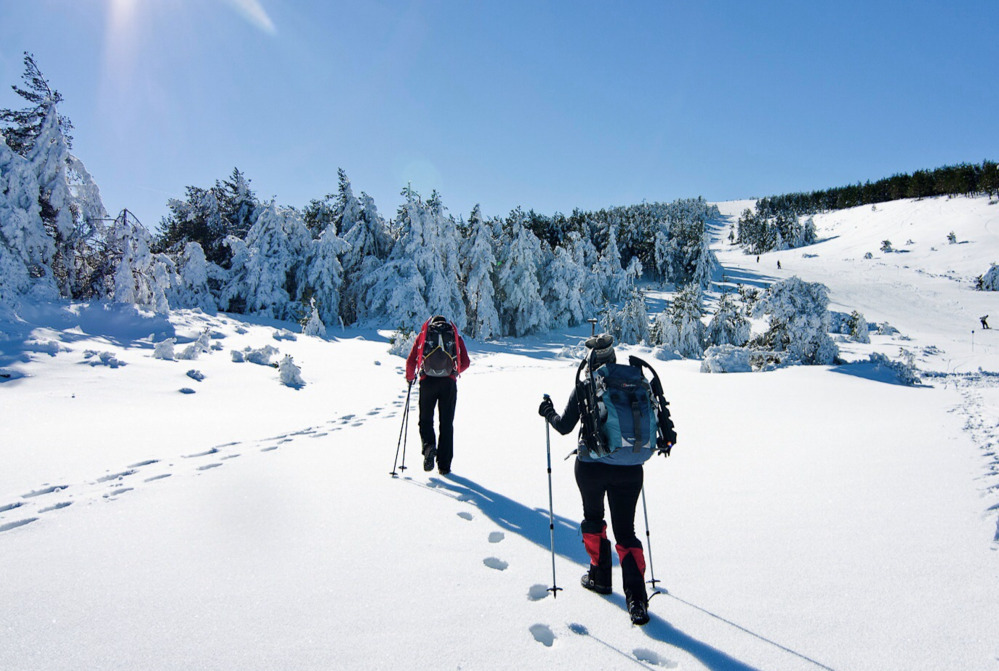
819, 517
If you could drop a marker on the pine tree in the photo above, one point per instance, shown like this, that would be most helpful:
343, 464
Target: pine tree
728, 325
438, 261
22, 127
26, 250
521, 309
613, 276
266, 272
370, 243
321, 275
194, 273
71, 210
395, 290
563, 290
478, 274
799, 321
679, 327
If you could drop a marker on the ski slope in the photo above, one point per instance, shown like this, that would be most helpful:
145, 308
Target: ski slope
809, 518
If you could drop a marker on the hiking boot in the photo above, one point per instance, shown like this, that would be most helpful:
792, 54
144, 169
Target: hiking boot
444, 471
638, 609
429, 454
597, 579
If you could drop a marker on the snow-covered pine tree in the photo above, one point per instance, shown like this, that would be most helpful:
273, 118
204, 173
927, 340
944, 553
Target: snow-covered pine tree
585, 257
370, 243
563, 290
612, 274
71, 207
728, 325
630, 323
438, 260
799, 321
239, 204
140, 277
478, 270
26, 250
266, 278
320, 276
395, 290
192, 286
679, 327
989, 280
520, 306
23, 127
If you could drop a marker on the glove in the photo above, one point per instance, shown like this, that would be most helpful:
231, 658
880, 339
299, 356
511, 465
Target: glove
546, 409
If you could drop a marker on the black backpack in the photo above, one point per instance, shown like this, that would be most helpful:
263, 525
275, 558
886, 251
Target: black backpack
620, 408
440, 351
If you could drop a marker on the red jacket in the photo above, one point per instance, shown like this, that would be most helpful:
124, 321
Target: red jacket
415, 360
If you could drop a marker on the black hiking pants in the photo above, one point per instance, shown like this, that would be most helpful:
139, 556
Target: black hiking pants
621, 485
440, 393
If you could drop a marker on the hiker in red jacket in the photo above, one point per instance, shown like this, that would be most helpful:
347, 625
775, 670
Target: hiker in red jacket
439, 357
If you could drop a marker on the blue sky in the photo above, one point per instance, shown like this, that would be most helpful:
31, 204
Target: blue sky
546, 105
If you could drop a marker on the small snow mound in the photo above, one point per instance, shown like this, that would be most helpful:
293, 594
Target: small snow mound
261, 356
202, 345
102, 359
726, 359
164, 349
291, 375
196, 375
285, 334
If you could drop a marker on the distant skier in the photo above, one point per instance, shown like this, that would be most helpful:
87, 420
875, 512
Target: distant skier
439, 357
619, 476
778, 265
985, 323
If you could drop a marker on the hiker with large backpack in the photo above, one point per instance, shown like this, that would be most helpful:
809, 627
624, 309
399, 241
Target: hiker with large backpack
624, 420
438, 356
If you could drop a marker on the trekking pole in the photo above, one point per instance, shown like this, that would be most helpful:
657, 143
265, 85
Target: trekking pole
554, 589
402, 435
648, 545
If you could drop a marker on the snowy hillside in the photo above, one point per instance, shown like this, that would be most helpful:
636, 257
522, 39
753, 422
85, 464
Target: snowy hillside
197, 513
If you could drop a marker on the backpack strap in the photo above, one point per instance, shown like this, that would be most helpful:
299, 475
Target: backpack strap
667, 432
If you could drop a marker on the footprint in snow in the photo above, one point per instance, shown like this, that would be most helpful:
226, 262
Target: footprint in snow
543, 634
147, 462
465, 515
19, 523
493, 562
57, 506
653, 657
116, 476
206, 453
537, 592
157, 477
496, 536
208, 466
44, 491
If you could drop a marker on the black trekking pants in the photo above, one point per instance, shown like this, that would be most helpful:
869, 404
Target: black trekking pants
622, 486
440, 393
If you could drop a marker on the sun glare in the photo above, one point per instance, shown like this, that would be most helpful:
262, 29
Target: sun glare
254, 12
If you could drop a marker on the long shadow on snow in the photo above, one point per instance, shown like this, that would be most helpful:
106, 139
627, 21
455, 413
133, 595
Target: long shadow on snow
121, 324
509, 515
532, 524
873, 372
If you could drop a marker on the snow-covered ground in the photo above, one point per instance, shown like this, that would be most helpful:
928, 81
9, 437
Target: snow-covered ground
818, 517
